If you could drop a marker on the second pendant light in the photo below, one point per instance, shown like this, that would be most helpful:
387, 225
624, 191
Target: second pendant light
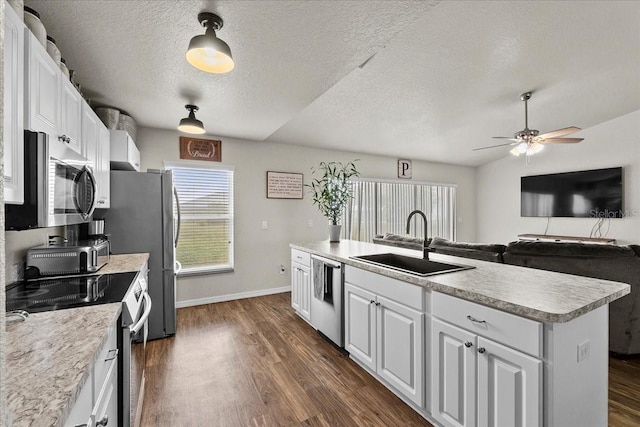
190, 124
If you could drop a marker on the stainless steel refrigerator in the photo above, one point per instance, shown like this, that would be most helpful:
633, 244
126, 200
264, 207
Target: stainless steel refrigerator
141, 219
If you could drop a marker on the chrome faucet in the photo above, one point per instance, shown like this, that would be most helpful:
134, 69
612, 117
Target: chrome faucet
425, 246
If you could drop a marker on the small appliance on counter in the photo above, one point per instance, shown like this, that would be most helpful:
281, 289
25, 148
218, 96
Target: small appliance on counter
82, 257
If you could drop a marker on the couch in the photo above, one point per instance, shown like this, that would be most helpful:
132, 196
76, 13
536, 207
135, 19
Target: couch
609, 262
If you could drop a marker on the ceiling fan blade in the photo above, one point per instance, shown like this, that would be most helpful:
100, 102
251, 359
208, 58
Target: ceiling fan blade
493, 146
559, 132
559, 140
510, 138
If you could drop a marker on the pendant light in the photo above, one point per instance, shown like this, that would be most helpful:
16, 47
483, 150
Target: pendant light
207, 52
191, 124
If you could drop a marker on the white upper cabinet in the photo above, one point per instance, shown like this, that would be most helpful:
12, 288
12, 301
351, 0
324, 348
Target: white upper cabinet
95, 143
13, 135
124, 153
53, 105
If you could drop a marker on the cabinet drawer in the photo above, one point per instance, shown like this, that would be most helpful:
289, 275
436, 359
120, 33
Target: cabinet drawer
108, 352
393, 289
514, 331
300, 257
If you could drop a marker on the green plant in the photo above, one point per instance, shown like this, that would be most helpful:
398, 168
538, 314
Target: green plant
331, 192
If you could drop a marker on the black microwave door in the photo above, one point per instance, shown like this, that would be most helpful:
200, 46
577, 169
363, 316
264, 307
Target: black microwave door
85, 192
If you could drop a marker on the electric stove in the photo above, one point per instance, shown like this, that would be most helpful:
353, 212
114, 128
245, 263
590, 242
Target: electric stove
60, 293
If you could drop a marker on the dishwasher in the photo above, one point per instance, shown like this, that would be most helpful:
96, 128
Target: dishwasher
327, 292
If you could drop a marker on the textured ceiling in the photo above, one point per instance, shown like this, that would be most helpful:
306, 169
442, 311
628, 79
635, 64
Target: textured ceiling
444, 79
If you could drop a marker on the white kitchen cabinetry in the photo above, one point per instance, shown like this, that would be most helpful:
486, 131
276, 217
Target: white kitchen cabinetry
124, 153
96, 148
97, 404
13, 135
54, 106
384, 330
301, 283
473, 376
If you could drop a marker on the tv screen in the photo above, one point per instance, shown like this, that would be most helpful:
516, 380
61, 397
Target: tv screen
583, 194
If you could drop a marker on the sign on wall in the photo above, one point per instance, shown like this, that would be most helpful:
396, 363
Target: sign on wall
284, 185
200, 149
404, 169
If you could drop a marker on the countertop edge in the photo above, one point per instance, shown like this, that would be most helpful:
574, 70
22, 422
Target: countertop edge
430, 283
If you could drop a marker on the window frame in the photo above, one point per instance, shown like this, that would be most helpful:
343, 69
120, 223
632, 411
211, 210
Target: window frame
350, 217
210, 269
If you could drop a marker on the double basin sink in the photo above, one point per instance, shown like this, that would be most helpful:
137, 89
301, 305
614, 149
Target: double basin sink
406, 264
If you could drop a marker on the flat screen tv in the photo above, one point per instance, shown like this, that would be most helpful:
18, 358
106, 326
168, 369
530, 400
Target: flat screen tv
582, 194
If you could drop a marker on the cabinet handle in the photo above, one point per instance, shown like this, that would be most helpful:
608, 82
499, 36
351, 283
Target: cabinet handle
372, 302
481, 350
377, 304
113, 353
468, 344
474, 320
103, 422
64, 138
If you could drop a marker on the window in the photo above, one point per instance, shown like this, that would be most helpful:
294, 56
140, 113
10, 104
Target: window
380, 207
205, 195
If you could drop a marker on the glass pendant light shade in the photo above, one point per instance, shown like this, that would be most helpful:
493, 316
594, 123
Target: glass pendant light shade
191, 124
207, 52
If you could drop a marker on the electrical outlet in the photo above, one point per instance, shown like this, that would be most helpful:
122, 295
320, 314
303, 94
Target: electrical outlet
282, 269
265, 225
584, 350
310, 223
17, 271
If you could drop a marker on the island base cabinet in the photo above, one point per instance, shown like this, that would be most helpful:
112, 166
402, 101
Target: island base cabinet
301, 283
509, 387
387, 338
453, 379
360, 325
477, 382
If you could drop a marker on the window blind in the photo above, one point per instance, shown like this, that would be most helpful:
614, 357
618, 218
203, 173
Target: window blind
380, 207
205, 196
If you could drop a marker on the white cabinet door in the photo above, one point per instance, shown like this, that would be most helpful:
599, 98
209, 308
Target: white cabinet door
80, 414
102, 168
71, 111
360, 325
305, 292
43, 88
13, 135
124, 153
133, 154
296, 280
96, 147
453, 375
400, 349
509, 387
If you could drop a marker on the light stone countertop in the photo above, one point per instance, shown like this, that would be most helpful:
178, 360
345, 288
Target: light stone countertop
537, 294
50, 355
48, 360
123, 263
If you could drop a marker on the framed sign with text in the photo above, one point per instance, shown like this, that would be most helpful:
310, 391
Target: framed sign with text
200, 149
284, 185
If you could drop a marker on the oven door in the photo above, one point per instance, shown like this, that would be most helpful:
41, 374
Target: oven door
138, 333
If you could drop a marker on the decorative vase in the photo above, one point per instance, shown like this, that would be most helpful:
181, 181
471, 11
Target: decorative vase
334, 232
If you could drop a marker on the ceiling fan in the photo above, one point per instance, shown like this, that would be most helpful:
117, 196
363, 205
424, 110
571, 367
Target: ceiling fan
529, 141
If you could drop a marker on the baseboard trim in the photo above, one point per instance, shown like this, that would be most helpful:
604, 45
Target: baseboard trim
231, 297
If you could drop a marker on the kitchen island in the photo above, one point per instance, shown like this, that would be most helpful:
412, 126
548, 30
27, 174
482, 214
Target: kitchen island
51, 356
492, 345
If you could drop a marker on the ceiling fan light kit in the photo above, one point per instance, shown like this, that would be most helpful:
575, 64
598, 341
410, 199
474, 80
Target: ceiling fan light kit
190, 124
207, 52
529, 141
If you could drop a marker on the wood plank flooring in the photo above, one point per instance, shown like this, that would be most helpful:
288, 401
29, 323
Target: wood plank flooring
253, 362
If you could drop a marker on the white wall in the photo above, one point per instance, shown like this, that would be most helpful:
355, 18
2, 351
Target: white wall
611, 144
259, 253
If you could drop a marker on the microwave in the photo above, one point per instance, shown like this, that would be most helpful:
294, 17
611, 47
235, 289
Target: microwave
60, 188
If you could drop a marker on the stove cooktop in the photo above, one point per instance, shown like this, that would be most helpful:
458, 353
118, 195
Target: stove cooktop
68, 292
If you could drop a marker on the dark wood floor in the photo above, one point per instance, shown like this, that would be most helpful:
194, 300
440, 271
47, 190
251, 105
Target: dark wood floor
253, 362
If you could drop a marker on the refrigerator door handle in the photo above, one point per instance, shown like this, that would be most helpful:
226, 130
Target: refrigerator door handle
175, 194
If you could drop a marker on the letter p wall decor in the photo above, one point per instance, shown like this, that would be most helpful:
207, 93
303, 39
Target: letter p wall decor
404, 169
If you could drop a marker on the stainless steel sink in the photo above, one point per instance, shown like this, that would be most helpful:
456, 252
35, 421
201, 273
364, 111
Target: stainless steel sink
417, 266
